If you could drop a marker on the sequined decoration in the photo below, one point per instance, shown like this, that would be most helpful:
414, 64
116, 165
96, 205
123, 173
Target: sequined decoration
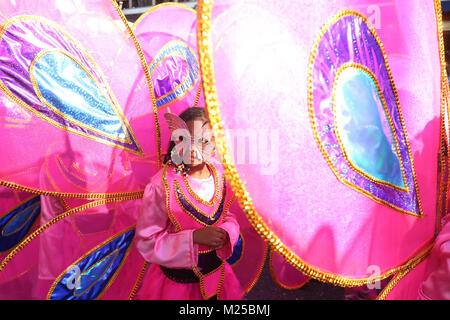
88, 277
49, 73
188, 207
175, 71
16, 224
356, 114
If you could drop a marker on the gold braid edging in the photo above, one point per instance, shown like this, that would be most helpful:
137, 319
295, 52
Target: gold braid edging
63, 215
442, 199
145, 67
117, 195
401, 274
164, 4
205, 45
277, 281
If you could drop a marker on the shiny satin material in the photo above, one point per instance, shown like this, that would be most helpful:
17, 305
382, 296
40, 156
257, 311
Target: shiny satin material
284, 274
189, 219
97, 270
364, 128
68, 88
359, 134
16, 224
171, 244
174, 71
161, 243
21, 44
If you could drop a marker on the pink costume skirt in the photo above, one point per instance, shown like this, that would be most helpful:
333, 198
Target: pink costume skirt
157, 286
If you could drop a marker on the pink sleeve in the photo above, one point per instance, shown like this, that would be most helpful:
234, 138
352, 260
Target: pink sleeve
231, 226
153, 237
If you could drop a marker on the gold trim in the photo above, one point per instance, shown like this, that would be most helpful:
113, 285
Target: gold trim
116, 195
118, 111
341, 14
142, 17
277, 281
63, 215
35, 206
180, 97
164, 4
64, 204
442, 199
36, 222
199, 91
176, 53
116, 253
147, 76
394, 281
138, 280
65, 117
167, 189
66, 172
52, 288
258, 274
17, 206
202, 285
204, 38
242, 252
215, 197
225, 208
388, 116
21, 103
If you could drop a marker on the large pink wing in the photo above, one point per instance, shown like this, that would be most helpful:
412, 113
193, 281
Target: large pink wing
345, 168
68, 107
84, 253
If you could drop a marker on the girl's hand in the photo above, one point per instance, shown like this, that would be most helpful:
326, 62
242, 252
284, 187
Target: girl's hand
214, 237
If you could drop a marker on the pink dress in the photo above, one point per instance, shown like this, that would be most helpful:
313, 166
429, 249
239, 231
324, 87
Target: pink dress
172, 209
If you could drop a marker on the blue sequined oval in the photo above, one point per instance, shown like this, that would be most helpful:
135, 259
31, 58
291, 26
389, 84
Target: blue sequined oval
16, 224
67, 88
87, 278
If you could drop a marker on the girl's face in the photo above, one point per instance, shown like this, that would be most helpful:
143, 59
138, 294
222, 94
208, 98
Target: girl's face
202, 141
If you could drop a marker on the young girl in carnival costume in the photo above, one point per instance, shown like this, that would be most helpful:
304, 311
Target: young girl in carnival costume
185, 229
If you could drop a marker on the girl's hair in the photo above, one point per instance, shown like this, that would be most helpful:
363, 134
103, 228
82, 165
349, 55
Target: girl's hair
187, 115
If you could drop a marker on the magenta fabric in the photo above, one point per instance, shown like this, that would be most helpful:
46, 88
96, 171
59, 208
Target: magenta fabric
284, 274
49, 255
77, 160
12, 205
262, 61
